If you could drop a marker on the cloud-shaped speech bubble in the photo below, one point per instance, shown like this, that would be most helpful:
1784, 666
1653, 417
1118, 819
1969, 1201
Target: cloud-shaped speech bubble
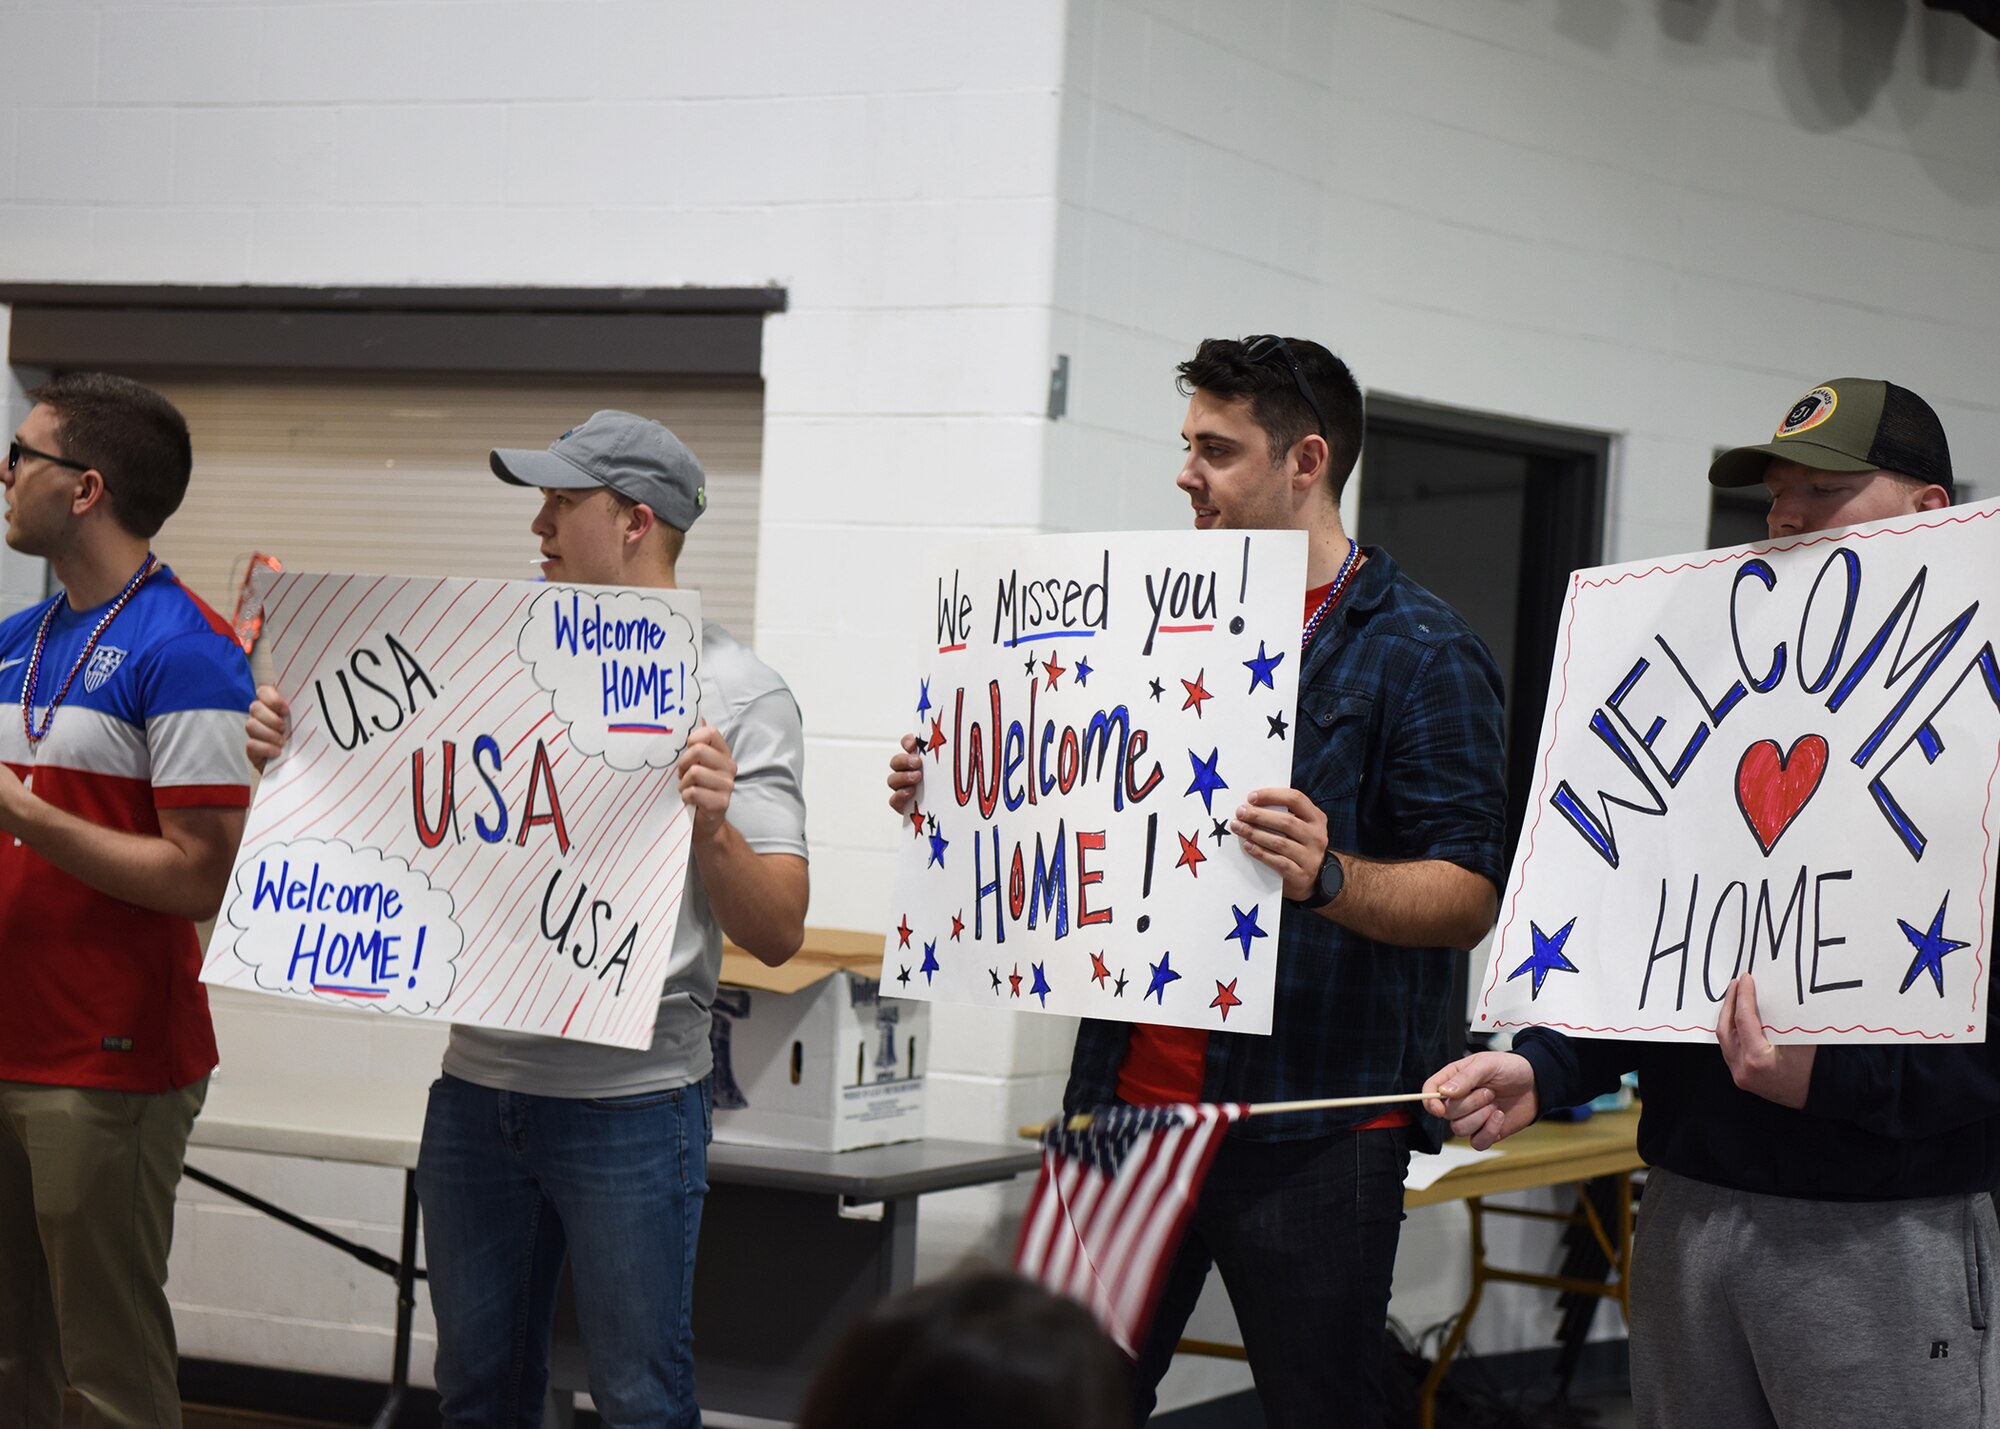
622, 667
345, 924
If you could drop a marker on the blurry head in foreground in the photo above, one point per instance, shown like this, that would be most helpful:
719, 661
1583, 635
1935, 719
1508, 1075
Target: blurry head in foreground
985, 1350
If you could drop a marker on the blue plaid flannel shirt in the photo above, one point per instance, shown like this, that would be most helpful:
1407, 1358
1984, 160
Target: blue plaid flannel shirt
1399, 739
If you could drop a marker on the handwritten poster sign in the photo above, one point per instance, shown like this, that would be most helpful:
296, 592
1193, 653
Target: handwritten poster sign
476, 818
1093, 709
1777, 759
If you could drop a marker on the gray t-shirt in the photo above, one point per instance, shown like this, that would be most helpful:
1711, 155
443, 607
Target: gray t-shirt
747, 701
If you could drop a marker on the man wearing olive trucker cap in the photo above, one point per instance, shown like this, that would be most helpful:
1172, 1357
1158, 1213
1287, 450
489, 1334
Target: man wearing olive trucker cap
536, 1148
1817, 1245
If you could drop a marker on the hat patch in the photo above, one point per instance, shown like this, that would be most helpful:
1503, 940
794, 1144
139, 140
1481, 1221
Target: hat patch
1809, 411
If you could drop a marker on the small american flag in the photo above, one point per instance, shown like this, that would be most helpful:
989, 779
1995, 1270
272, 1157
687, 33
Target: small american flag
1109, 1208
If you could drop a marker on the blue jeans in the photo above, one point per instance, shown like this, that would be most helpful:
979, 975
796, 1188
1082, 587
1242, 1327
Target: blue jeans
510, 1183
1304, 1233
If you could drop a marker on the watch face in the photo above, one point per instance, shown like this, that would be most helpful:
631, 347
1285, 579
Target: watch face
1332, 877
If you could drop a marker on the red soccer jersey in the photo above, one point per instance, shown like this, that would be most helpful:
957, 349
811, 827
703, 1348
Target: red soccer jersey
101, 993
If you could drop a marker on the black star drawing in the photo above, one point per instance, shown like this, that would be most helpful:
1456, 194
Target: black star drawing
1277, 723
933, 822
1032, 662
1220, 831
1119, 990
904, 977
994, 973
1158, 689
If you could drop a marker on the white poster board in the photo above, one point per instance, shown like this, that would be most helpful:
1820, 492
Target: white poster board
476, 818
1778, 759
1093, 709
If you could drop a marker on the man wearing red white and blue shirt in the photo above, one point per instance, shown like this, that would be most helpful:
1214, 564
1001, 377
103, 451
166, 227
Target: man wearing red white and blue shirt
123, 786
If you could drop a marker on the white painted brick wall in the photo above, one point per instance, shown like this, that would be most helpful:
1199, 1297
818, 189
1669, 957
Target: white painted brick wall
1659, 222
892, 164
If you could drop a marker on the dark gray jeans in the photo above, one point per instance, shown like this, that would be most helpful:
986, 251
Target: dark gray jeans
1304, 1233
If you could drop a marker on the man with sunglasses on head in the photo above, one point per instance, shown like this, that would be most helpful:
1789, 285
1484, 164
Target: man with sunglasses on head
1817, 1244
123, 787
1389, 845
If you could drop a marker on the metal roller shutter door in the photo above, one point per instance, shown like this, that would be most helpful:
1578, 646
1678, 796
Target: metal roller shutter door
388, 474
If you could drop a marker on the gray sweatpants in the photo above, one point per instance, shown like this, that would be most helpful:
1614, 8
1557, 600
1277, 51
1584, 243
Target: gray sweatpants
1753, 1311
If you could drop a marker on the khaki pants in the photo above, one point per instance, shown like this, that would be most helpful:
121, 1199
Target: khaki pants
87, 1182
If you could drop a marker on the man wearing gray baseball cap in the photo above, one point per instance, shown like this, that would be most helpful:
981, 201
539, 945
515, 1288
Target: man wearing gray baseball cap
537, 1150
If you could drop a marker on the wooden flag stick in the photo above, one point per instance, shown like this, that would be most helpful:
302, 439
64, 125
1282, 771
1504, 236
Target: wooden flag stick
1083, 1119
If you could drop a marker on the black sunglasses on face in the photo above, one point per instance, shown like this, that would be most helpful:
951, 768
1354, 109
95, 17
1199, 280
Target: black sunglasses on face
18, 450
1268, 348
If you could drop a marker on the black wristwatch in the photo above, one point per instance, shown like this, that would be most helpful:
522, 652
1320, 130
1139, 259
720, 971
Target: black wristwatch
1332, 878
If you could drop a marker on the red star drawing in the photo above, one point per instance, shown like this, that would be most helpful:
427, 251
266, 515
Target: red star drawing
1014, 979
937, 739
1053, 670
903, 931
1226, 998
957, 925
917, 822
1196, 693
1098, 972
1191, 855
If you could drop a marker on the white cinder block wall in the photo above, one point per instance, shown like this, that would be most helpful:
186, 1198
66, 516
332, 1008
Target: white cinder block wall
1659, 220
892, 164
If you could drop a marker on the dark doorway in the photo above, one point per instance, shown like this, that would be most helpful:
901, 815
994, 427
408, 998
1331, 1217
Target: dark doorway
1736, 515
1492, 516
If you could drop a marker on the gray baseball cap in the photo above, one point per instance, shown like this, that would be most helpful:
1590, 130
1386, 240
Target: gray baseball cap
633, 456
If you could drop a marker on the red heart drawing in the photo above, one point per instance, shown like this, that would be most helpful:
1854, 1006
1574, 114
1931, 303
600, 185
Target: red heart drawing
1771, 787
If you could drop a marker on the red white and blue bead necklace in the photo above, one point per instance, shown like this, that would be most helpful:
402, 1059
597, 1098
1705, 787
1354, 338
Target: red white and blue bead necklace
35, 737
1333, 594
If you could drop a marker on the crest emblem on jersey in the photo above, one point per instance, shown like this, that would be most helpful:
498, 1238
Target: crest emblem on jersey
1808, 412
104, 662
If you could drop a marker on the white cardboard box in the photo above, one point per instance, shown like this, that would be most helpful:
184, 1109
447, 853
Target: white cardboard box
810, 1056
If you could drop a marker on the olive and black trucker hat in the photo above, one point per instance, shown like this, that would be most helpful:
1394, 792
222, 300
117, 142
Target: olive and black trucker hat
1849, 424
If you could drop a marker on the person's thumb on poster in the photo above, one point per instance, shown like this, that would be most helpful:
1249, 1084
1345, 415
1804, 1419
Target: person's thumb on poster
1779, 1074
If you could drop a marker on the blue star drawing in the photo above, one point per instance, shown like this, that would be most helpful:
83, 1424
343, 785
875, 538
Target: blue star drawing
1260, 668
1246, 928
924, 701
1041, 987
1206, 779
1931, 946
938, 845
1547, 957
1082, 672
1162, 975
930, 964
